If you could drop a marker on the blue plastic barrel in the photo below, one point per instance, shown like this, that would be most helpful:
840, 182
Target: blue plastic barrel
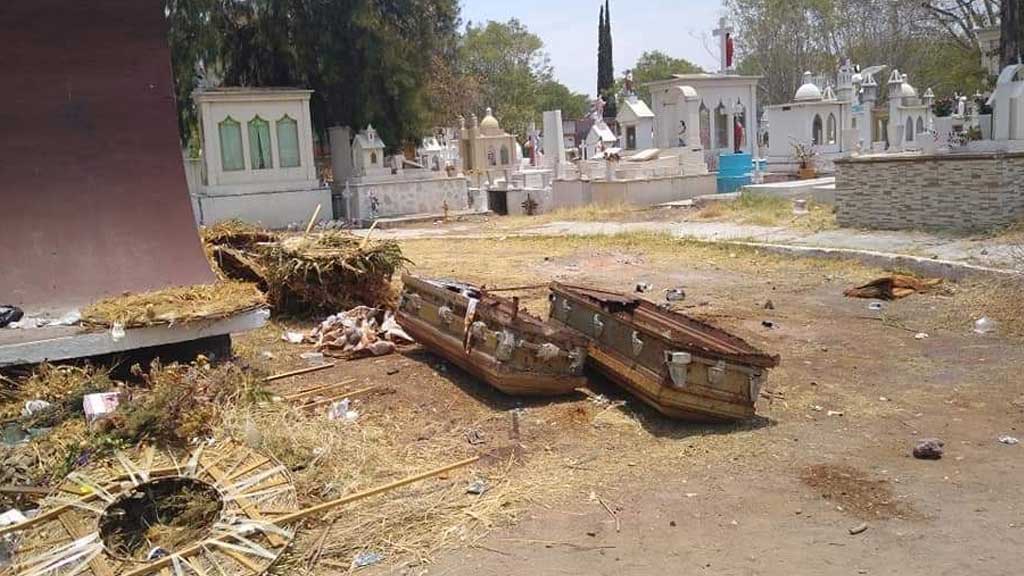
734, 171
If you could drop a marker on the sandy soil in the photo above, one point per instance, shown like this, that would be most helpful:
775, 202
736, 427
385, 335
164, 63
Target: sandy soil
830, 450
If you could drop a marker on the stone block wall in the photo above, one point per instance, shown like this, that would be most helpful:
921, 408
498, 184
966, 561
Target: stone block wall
406, 197
944, 192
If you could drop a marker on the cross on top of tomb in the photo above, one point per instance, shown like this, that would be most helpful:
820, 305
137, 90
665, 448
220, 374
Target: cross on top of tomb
726, 47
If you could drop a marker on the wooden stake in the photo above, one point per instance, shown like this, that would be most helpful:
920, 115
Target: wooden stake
369, 233
312, 221
284, 375
303, 514
315, 389
340, 397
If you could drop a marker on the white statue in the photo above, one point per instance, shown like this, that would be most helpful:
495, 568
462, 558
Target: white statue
597, 109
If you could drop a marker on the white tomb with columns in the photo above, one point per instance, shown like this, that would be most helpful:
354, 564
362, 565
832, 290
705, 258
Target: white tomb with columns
257, 160
727, 110
815, 117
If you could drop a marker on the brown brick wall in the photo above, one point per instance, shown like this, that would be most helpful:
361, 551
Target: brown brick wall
964, 194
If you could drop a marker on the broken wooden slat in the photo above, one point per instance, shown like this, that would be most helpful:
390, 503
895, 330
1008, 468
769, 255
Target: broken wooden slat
284, 375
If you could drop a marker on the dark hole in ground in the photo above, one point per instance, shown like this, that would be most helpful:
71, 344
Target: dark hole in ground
167, 514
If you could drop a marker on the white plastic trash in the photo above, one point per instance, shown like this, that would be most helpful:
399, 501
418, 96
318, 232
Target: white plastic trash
985, 325
97, 406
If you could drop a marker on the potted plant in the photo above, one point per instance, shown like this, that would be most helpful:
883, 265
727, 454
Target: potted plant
805, 155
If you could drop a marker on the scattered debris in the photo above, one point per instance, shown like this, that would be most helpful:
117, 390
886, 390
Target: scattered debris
313, 358
342, 410
1009, 440
293, 337
100, 405
859, 529
477, 487
876, 306
675, 295
985, 325
364, 559
307, 274
921, 336
475, 437
643, 288
174, 305
893, 287
10, 314
360, 332
769, 305
835, 413
929, 449
768, 324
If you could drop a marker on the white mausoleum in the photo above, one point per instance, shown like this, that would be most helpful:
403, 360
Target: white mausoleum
636, 125
257, 157
1008, 105
816, 117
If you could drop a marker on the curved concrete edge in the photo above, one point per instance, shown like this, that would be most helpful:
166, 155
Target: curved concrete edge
948, 269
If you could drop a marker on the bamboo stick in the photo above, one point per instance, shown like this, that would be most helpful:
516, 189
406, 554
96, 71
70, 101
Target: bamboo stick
315, 389
303, 514
312, 221
353, 394
284, 375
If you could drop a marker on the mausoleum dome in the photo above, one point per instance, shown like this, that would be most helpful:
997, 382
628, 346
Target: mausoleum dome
489, 125
809, 91
906, 90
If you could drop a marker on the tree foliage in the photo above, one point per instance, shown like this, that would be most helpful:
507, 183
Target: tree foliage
606, 62
780, 39
655, 65
514, 75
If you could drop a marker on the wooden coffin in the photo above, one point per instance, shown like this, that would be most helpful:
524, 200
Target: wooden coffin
684, 368
516, 353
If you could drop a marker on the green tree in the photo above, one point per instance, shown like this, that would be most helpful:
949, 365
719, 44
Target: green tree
654, 66
508, 64
368, 61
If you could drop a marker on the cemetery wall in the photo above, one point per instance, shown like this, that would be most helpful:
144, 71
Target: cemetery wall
374, 200
944, 192
275, 210
646, 192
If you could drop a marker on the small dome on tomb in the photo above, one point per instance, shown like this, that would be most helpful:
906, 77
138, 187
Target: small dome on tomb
809, 91
489, 125
906, 90
858, 78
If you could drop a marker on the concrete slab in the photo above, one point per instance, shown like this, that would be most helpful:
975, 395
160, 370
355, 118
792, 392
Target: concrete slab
54, 344
385, 223
821, 190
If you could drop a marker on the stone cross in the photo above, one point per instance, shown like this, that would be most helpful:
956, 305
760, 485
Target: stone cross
725, 44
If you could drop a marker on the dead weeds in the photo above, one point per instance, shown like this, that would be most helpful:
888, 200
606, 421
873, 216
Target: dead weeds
175, 305
766, 210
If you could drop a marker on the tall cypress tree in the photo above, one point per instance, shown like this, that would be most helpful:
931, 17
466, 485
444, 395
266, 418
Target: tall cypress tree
600, 53
606, 74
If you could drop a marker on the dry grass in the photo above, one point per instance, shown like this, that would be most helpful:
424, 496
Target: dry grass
767, 210
587, 213
175, 305
332, 459
1001, 299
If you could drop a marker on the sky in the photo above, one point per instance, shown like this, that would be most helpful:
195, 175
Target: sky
680, 28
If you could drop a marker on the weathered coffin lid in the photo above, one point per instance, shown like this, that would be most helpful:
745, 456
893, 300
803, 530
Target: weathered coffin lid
678, 330
497, 308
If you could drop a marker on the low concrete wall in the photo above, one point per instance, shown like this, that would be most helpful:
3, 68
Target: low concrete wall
517, 197
406, 198
276, 210
569, 193
954, 192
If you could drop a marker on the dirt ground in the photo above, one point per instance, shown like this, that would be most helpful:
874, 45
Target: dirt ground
618, 489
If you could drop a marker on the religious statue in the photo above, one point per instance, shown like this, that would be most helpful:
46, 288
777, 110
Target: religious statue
738, 134
628, 87
682, 133
597, 109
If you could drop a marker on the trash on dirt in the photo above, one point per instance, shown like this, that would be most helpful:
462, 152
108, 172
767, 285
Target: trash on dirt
475, 437
342, 410
769, 305
359, 332
477, 487
893, 287
859, 529
9, 314
675, 295
100, 405
33, 407
921, 336
313, 358
800, 207
1009, 440
876, 306
985, 325
7, 542
768, 324
267, 354
838, 413
364, 559
117, 332
293, 337
929, 449
643, 288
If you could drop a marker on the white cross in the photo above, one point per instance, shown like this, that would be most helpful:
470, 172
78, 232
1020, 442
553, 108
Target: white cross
722, 33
